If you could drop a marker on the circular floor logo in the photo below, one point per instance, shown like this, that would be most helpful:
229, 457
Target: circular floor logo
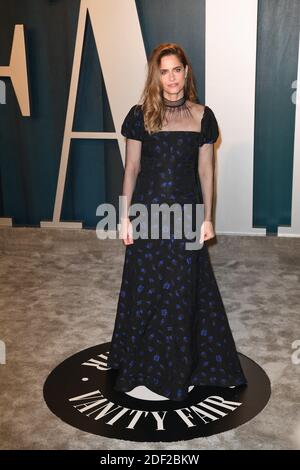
80, 392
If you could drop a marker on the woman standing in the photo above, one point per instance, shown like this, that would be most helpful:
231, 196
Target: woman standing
171, 329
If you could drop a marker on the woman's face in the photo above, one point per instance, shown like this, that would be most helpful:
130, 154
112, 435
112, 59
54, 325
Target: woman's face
172, 74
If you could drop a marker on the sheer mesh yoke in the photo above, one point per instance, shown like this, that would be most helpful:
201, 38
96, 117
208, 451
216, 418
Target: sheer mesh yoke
186, 120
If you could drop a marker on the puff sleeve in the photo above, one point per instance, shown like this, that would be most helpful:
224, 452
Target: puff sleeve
133, 124
209, 127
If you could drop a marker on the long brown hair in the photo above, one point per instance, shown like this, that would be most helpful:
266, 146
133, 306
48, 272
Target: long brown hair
152, 98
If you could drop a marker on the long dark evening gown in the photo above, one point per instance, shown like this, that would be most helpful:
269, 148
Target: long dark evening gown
171, 329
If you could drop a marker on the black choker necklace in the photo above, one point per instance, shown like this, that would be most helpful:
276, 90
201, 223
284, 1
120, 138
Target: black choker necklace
175, 103
177, 109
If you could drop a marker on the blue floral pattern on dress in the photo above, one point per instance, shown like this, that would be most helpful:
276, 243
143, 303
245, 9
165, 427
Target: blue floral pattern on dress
171, 328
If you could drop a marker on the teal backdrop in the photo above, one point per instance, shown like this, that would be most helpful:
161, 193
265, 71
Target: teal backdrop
31, 146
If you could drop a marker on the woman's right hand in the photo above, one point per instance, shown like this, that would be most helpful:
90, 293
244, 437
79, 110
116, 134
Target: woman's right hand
126, 231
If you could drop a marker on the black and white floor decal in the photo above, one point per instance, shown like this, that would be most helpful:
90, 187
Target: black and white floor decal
80, 392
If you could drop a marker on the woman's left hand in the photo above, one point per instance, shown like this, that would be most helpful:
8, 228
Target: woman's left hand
207, 231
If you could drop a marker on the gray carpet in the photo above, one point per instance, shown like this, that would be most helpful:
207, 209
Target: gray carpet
58, 295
